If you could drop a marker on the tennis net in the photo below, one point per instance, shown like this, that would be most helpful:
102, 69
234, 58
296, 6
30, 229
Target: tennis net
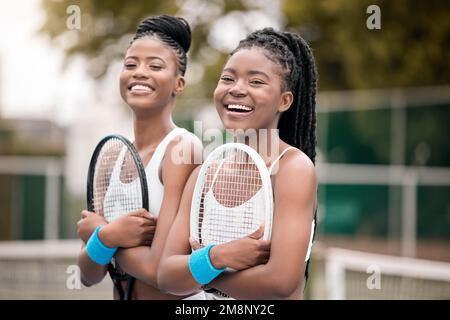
359, 275
45, 270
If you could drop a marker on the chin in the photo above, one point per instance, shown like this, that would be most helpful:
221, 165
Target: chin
139, 107
236, 125
139, 103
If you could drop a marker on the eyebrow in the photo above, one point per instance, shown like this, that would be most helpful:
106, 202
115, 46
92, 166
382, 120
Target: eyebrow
147, 58
250, 72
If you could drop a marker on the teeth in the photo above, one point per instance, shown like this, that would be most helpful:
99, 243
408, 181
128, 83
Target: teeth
140, 87
239, 107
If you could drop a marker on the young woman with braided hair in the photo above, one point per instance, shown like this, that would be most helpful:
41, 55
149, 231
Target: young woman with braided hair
271, 75
151, 79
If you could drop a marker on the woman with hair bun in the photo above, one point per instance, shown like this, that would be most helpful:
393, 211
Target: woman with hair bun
151, 79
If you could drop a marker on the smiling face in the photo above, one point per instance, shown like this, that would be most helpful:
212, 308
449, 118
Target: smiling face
249, 93
150, 79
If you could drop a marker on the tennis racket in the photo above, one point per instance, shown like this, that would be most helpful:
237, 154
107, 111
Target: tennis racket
116, 185
232, 197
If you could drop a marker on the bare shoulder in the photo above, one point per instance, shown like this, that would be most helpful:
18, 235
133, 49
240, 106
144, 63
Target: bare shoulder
184, 149
295, 185
188, 140
186, 137
296, 164
296, 180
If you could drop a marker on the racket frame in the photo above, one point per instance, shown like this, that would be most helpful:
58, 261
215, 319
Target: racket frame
136, 159
265, 181
116, 278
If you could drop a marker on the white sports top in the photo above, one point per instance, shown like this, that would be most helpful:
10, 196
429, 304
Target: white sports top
155, 186
255, 201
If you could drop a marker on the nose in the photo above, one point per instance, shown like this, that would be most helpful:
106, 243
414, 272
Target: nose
140, 72
238, 90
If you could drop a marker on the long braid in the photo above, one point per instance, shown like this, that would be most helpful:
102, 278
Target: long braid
307, 96
305, 111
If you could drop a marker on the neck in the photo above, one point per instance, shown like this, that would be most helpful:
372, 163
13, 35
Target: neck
265, 141
150, 129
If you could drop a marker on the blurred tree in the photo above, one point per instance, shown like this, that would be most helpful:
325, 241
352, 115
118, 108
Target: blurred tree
412, 48
108, 26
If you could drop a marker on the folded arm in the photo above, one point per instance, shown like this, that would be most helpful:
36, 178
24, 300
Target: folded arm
282, 276
142, 262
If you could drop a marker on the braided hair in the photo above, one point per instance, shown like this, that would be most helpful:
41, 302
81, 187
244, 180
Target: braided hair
175, 32
297, 125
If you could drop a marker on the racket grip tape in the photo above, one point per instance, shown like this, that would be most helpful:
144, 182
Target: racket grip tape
97, 251
201, 267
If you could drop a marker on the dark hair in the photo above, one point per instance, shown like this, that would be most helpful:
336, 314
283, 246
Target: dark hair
297, 125
173, 31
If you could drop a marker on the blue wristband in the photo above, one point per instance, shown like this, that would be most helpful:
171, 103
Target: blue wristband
97, 251
201, 267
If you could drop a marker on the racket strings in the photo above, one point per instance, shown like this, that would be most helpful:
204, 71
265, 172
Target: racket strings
117, 189
228, 209
128, 171
103, 170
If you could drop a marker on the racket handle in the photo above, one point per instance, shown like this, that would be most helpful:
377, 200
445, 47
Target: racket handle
97, 251
201, 267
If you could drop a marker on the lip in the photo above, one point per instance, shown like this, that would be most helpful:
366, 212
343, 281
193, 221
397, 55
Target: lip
140, 83
140, 93
235, 115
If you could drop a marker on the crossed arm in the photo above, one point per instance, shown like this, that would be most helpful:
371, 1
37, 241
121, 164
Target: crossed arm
136, 257
142, 262
282, 275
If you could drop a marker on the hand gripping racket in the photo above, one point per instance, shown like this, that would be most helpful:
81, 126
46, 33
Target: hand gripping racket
116, 185
232, 196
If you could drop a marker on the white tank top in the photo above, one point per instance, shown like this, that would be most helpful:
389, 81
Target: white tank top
155, 186
211, 201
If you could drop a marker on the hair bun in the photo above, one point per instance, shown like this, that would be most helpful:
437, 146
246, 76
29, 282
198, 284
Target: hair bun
174, 27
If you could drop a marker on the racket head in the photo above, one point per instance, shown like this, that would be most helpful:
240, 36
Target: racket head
117, 182
232, 196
